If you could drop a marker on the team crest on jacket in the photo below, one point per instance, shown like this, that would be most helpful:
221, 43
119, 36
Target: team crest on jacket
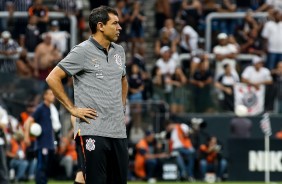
118, 60
90, 146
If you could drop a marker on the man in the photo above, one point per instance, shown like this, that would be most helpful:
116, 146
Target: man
256, 75
100, 88
17, 156
32, 36
272, 37
260, 78
9, 49
44, 144
46, 56
211, 159
42, 14
182, 145
225, 84
146, 160
225, 53
59, 38
168, 61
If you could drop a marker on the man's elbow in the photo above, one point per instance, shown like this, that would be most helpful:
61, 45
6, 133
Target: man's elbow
48, 79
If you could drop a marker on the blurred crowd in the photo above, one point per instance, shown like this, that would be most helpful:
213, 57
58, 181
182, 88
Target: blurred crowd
204, 82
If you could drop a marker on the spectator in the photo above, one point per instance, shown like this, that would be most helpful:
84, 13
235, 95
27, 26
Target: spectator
191, 12
123, 14
189, 40
97, 3
178, 82
273, 40
211, 160
181, 144
4, 173
139, 58
71, 7
32, 34
30, 150
252, 44
247, 5
17, 156
22, 5
25, 67
164, 40
210, 6
167, 64
45, 141
201, 83
135, 87
59, 38
46, 57
225, 84
168, 61
277, 80
20, 22
227, 25
158, 84
146, 159
271, 4
249, 23
162, 12
260, 78
256, 75
225, 53
193, 64
136, 19
175, 6
3, 22
9, 49
41, 13
169, 27
9, 22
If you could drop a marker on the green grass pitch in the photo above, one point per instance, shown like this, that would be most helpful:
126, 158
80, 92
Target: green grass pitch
225, 182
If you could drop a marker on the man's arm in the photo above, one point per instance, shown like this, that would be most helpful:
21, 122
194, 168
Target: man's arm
54, 80
124, 85
27, 125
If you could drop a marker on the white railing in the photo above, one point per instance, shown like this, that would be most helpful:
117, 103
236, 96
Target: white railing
234, 15
243, 57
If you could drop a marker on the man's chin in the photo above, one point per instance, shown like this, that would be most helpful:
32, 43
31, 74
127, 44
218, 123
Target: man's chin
115, 39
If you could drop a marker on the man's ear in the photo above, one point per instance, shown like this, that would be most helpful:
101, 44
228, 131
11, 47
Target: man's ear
100, 26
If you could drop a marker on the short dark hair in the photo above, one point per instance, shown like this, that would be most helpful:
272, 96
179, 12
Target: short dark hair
100, 14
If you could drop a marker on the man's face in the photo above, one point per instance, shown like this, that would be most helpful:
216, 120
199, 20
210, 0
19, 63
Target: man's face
49, 96
5, 40
223, 41
279, 66
258, 65
47, 39
112, 28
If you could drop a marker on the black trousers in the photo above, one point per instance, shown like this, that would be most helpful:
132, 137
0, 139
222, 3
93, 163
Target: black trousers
106, 160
